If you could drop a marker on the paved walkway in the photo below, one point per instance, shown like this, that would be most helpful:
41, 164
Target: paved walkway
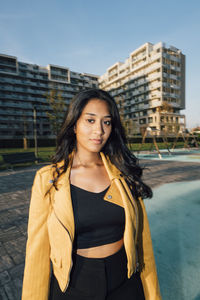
15, 187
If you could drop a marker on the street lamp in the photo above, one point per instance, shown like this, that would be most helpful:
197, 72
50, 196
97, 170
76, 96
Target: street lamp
35, 130
25, 133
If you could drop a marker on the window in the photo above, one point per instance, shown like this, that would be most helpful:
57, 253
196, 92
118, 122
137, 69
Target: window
173, 72
150, 119
142, 121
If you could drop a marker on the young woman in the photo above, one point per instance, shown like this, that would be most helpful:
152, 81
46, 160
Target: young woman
88, 233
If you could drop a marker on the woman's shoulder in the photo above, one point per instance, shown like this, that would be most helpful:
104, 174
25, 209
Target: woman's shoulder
46, 169
45, 174
43, 179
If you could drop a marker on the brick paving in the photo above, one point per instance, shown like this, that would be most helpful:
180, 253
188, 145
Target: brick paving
15, 188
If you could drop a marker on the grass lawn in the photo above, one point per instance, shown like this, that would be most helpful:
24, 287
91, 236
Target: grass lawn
45, 153
150, 146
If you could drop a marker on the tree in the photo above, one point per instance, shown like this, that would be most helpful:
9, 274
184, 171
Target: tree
165, 107
169, 125
57, 109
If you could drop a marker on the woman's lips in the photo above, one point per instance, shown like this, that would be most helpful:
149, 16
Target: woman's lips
96, 141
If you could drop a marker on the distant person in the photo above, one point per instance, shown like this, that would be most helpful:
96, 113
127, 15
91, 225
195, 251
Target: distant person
88, 233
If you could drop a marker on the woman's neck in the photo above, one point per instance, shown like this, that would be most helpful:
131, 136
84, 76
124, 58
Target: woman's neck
87, 160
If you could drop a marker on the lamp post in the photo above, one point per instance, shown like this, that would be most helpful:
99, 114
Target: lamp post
35, 130
25, 133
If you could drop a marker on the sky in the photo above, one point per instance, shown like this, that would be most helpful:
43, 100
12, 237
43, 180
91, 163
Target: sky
89, 35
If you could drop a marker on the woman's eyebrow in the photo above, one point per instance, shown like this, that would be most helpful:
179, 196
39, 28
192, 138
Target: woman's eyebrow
92, 114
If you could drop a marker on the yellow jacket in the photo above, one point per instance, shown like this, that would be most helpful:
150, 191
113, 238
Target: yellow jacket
51, 233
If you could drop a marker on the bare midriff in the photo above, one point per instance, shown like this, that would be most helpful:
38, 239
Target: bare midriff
101, 251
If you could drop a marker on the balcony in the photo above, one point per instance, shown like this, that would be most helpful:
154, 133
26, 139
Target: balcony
8, 104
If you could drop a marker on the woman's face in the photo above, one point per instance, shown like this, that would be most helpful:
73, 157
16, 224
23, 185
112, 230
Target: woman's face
93, 128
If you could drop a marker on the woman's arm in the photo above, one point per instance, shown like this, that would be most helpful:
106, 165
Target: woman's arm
37, 262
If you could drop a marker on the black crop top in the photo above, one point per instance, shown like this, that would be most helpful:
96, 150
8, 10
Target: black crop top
97, 222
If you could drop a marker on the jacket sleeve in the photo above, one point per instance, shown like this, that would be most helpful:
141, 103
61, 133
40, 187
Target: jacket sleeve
146, 256
37, 262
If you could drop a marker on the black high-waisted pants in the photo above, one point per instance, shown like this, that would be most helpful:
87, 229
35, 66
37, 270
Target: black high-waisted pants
99, 279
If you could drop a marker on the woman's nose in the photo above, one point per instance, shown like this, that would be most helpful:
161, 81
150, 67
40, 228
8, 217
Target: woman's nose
99, 128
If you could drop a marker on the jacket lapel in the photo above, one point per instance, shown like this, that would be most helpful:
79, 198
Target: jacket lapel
112, 171
121, 195
112, 194
62, 203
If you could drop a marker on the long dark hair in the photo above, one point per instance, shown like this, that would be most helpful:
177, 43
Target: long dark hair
115, 148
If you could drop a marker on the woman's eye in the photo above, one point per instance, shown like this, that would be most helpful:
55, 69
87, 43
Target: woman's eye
107, 123
90, 120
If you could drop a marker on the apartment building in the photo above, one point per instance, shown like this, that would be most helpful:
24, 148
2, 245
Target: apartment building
24, 87
149, 88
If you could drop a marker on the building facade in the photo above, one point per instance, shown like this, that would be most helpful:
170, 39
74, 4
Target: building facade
24, 87
149, 88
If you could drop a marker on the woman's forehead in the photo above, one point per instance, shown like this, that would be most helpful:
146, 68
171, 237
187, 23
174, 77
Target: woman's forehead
96, 106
